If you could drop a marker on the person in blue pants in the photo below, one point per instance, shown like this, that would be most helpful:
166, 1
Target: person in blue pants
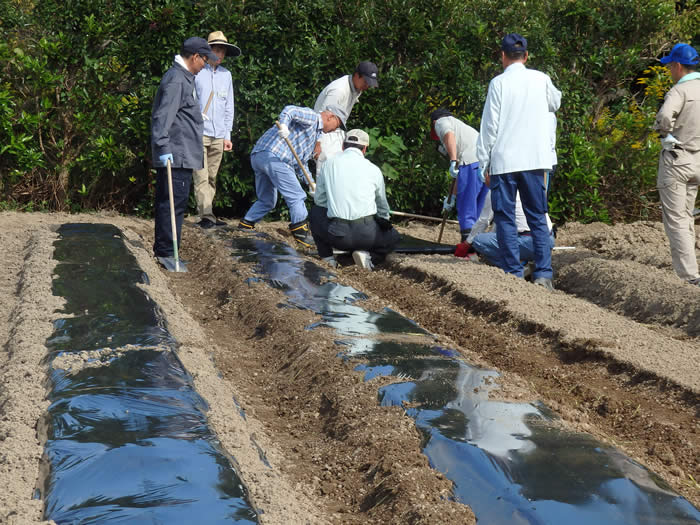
514, 149
458, 143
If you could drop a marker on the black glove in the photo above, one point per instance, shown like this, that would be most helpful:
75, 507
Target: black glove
384, 224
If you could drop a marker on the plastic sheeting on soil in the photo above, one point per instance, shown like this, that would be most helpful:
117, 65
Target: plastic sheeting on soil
127, 435
510, 462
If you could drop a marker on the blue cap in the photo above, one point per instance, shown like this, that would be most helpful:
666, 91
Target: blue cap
514, 42
683, 54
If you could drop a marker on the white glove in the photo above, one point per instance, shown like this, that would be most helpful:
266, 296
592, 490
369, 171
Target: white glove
482, 174
283, 131
454, 169
311, 193
205, 117
449, 202
669, 141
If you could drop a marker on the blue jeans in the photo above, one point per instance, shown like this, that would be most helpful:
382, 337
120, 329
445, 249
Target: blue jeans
533, 195
486, 244
471, 193
273, 175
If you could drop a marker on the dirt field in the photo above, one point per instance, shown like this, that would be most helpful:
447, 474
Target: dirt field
614, 351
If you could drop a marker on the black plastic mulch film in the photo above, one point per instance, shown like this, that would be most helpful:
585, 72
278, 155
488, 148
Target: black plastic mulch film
510, 462
127, 435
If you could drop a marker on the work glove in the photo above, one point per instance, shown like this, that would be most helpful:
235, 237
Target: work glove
669, 141
311, 193
454, 169
384, 224
283, 131
482, 174
449, 203
165, 158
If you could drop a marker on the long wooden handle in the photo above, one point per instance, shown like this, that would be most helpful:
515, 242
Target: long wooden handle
444, 213
422, 217
211, 96
172, 216
310, 182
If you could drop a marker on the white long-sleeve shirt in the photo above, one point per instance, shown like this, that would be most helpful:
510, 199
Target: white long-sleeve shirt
341, 92
482, 223
351, 187
220, 111
515, 125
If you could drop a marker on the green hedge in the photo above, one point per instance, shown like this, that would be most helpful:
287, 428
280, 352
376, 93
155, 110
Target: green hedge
78, 77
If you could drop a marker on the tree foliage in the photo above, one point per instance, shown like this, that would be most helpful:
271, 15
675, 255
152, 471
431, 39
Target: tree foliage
77, 79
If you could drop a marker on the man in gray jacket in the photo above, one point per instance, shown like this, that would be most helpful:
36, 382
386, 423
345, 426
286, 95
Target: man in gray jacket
176, 136
678, 124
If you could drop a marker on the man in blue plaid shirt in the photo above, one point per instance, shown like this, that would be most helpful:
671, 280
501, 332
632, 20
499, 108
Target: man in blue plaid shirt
276, 168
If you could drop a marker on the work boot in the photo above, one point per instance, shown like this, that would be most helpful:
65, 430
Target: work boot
465, 233
545, 283
206, 224
363, 259
302, 234
528, 270
245, 225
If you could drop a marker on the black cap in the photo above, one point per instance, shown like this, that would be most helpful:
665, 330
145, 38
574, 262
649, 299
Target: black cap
369, 72
198, 46
440, 113
513, 43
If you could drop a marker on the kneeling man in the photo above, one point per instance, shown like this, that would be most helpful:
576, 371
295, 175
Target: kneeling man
351, 212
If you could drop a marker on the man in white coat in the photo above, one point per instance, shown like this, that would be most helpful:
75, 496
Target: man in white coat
515, 149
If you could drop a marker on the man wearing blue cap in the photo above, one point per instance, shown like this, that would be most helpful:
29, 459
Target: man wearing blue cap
678, 124
176, 135
514, 148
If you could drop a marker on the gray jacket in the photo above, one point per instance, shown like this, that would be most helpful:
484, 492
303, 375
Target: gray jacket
176, 120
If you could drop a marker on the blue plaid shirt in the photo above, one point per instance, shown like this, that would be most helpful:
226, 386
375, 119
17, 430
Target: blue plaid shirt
305, 127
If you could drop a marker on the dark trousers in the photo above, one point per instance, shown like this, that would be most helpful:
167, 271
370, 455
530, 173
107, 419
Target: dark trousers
361, 234
182, 179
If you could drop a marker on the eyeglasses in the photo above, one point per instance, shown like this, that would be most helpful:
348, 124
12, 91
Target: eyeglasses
204, 59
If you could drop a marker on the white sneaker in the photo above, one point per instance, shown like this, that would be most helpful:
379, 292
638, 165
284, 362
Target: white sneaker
363, 259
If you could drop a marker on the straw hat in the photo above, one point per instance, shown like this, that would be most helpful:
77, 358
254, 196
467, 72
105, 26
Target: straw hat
217, 38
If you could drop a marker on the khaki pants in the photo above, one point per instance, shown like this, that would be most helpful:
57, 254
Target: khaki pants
677, 182
205, 179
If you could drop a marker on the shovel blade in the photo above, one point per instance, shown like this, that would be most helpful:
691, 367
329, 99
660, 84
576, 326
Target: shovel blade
172, 265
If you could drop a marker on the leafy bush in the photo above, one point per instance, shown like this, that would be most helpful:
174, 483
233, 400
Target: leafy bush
79, 76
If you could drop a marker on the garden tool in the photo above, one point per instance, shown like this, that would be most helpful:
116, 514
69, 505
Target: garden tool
309, 181
423, 217
172, 264
206, 107
453, 191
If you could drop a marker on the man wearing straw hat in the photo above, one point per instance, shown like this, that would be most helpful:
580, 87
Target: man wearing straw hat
273, 161
215, 93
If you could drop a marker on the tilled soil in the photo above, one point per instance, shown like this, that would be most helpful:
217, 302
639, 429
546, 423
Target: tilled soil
613, 352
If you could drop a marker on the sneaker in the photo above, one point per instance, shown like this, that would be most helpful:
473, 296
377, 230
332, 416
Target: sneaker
302, 234
545, 283
219, 222
363, 259
245, 225
527, 271
330, 261
694, 282
205, 224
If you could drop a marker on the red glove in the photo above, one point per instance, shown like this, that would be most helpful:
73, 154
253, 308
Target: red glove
463, 249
